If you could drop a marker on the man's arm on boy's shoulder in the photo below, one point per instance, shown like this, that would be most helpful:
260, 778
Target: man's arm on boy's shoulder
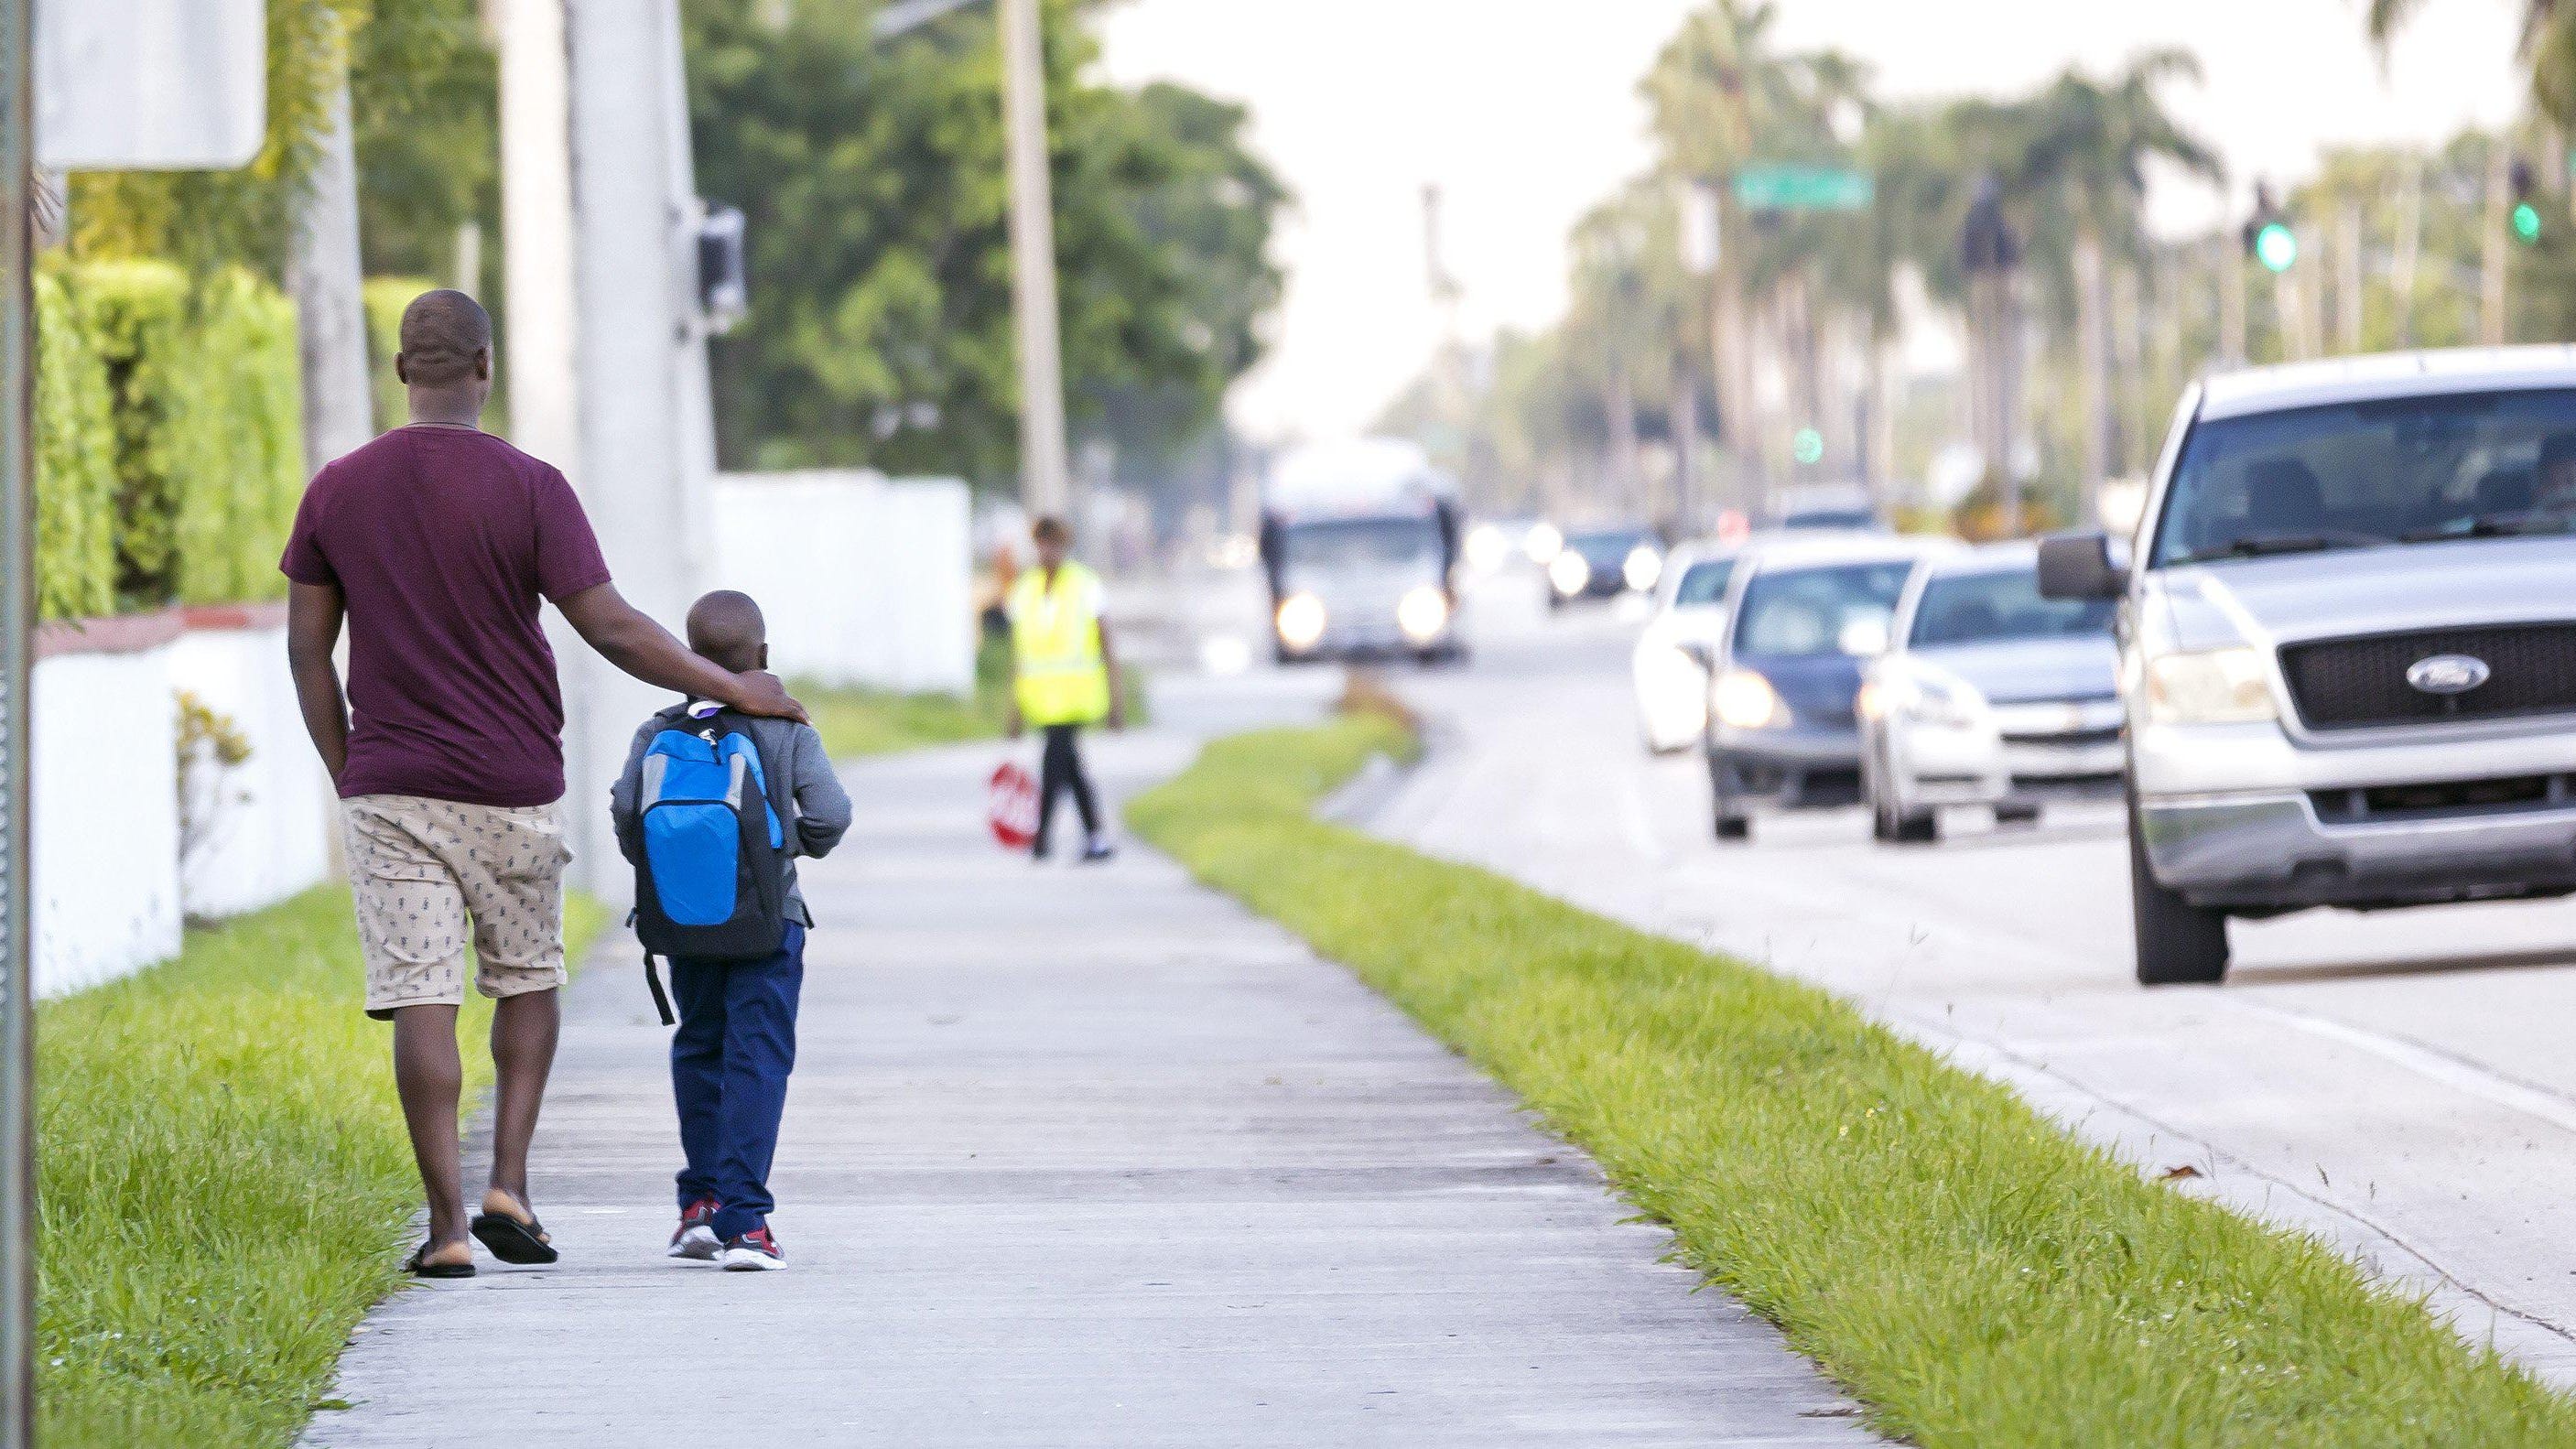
822, 807
622, 800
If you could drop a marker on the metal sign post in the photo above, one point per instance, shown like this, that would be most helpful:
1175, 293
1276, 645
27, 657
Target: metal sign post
17, 628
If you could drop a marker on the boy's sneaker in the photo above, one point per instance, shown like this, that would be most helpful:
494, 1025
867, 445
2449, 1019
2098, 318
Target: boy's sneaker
696, 1237
754, 1252
1097, 850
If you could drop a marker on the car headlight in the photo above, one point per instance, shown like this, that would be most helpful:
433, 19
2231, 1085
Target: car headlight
1542, 543
1744, 700
2215, 686
1422, 614
1952, 703
1301, 621
1568, 572
1486, 548
1642, 568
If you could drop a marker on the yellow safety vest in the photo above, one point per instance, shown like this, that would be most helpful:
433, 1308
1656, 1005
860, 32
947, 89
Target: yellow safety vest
1055, 647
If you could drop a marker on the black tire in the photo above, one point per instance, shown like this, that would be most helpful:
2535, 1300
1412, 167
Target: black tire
2179, 944
1726, 821
1887, 824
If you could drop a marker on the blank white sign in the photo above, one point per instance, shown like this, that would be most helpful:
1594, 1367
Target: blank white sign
150, 85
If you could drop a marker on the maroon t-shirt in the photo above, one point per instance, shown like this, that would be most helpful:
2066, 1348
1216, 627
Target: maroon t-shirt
442, 540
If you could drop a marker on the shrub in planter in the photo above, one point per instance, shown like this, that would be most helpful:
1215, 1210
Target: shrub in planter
206, 402
75, 462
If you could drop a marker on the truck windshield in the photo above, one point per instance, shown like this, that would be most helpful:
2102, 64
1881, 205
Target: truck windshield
1363, 543
1797, 613
2357, 475
1985, 608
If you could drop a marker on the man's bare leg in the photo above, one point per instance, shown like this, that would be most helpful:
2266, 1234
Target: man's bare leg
429, 1075
524, 1028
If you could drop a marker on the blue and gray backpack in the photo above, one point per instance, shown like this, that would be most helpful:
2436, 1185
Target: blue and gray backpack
712, 883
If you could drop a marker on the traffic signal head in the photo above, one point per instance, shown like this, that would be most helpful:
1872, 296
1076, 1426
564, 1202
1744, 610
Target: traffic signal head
2526, 211
1808, 446
2275, 245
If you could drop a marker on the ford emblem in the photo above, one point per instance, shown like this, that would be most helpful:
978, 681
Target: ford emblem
2448, 673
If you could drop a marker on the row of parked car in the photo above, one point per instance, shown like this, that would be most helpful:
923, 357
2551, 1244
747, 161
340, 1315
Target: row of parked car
2335, 666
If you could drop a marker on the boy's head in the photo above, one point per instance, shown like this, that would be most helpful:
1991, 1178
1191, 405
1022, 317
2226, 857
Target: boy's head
1051, 540
726, 627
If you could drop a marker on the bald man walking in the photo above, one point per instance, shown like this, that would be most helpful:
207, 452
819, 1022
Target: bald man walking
433, 546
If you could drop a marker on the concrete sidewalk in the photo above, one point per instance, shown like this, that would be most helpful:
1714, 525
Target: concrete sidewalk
1074, 1157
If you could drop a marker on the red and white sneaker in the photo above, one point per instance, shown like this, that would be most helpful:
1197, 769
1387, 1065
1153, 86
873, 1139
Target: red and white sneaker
754, 1252
696, 1236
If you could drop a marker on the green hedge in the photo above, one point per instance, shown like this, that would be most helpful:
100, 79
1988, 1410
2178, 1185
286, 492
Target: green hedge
75, 462
202, 440
386, 297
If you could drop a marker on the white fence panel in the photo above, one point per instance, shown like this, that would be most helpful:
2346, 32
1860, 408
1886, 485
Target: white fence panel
106, 826
864, 580
264, 832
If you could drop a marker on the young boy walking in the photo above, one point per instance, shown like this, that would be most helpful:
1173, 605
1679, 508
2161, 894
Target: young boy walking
736, 1040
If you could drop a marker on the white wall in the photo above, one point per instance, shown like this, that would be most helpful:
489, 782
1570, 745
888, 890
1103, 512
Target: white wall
863, 580
106, 826
269, 836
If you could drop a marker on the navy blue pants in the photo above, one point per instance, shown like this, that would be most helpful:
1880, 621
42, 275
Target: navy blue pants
729, 1064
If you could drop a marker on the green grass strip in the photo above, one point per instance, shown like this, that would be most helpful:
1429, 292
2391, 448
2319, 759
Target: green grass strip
225, 1182
1972, 1273
856, 721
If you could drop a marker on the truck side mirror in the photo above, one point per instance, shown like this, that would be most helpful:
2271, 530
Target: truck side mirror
2080, 566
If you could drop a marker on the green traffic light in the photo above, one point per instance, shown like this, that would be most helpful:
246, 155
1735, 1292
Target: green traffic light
1808, 446
2276, 246
2526, 221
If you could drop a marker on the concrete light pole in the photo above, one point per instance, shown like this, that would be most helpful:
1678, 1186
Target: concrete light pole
1043, 474
324, 275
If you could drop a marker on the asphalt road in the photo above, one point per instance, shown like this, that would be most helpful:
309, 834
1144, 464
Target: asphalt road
2403, 1084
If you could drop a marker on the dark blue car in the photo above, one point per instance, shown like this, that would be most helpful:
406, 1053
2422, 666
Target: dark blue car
1805, 616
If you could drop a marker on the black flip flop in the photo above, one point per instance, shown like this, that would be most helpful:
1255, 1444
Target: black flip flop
513, 1241
419, 1266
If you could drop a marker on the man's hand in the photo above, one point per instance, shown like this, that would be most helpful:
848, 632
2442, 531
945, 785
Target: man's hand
1012, 724
1117, 712
761, 693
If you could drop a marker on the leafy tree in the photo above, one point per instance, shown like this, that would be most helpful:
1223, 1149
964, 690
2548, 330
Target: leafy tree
872, 178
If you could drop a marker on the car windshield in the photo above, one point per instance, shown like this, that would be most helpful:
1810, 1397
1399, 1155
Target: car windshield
1607, 550
1361, 543
1703, 583
2356, 475
1988, 607
1806, 612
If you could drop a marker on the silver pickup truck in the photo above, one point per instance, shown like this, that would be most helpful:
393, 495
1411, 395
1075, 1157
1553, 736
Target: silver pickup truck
2348, 644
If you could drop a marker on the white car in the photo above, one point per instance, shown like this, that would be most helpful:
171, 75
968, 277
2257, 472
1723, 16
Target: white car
1987, 694
1670, 662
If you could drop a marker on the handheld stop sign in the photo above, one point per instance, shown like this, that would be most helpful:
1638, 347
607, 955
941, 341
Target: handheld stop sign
1011, 805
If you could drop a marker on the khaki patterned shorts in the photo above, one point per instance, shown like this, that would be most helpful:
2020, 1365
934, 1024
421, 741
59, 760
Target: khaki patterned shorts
425, 871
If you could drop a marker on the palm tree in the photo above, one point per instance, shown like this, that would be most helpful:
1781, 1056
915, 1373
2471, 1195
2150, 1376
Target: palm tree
2085, 147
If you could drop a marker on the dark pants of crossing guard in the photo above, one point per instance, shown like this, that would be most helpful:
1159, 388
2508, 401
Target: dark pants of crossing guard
729, 1065
1059, 771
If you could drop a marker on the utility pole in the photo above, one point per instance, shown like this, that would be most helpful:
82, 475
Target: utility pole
2231, 303
2494, 257
17, 628
2410, 252
2348, 299
1043, 474
324, 276
1988, 253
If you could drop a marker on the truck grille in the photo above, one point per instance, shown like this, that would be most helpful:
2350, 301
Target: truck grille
2356, 683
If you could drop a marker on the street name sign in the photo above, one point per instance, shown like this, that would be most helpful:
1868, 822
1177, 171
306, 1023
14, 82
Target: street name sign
1793, 187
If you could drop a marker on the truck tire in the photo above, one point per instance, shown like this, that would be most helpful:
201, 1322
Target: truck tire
2178, 943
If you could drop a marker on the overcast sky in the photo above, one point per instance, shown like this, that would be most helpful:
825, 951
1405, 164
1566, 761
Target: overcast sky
1525, 112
